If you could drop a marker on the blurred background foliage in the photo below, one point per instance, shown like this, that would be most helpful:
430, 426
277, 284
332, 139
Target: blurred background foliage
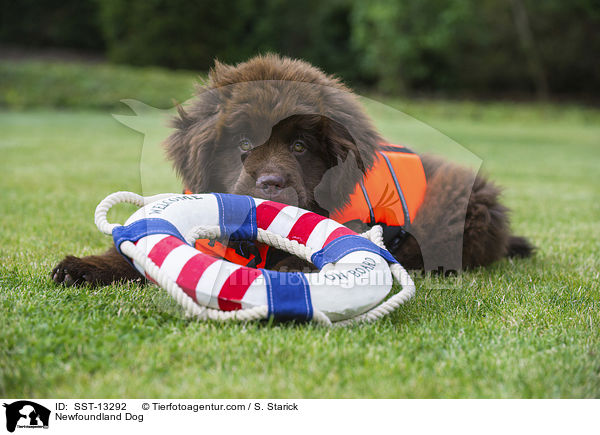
477, 48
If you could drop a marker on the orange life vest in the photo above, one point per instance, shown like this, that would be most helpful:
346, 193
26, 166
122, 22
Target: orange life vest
389, 194
252, 255
391, 191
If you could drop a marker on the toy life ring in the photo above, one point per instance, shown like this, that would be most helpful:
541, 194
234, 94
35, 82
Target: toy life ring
355, 273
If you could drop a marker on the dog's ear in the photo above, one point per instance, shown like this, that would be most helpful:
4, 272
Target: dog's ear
348, 158
192, 145
339, 143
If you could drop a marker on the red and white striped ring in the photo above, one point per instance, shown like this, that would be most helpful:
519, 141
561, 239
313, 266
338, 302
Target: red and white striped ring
352, 285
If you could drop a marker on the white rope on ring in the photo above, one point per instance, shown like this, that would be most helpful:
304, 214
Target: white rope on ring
293, 247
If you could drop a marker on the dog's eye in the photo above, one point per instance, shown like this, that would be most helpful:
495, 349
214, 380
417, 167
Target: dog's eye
298, 147
245, 145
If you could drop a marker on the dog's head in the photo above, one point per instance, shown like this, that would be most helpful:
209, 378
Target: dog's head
274, 128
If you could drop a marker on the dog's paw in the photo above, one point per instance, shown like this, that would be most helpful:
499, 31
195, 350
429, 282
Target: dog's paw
74, 271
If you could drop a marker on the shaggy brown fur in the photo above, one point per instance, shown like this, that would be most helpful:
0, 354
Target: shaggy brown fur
281, 129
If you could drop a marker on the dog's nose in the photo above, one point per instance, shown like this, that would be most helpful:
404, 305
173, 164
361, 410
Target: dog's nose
271, 184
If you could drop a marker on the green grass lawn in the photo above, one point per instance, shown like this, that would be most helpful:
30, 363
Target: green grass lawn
526, 328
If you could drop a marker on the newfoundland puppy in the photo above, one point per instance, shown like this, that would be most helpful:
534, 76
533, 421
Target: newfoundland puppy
281, 129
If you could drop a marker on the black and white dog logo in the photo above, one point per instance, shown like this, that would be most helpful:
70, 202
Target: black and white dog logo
26, 414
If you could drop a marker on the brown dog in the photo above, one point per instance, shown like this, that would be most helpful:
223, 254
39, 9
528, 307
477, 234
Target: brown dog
280, 129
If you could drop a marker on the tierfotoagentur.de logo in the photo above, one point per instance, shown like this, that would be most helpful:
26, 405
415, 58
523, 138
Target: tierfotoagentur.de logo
24, 414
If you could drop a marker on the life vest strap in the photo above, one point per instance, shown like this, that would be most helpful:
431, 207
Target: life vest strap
398, 189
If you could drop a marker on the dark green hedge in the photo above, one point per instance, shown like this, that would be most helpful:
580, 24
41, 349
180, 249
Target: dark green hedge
51, 23
464, 46
190, 34
480, 46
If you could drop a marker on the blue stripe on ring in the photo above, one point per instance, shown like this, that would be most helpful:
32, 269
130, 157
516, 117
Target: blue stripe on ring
142, 228
345, 245
237, 216
288, 295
